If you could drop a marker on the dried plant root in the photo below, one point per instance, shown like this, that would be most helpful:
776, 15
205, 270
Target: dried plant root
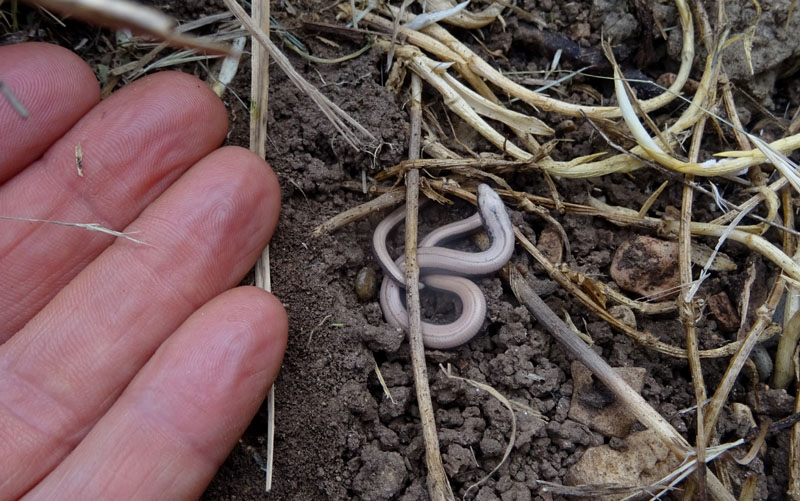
754, 242
507, 403
385, 201
784, 357
591, 167
467, 18
422, 66
646, 339
763, 320
540, 101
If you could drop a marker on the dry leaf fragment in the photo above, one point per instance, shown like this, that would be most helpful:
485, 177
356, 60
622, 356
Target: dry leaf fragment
133, 15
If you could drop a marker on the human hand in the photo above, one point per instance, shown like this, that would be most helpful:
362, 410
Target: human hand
126, 369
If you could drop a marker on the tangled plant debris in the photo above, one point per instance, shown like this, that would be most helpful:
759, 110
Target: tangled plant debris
749, 181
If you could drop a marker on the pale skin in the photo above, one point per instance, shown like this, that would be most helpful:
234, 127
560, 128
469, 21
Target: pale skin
127, 370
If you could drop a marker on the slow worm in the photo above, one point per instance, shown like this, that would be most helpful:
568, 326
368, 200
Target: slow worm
445, 269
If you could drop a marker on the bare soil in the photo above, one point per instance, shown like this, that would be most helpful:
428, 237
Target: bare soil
338, 436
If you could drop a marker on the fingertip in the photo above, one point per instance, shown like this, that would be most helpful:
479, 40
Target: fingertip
51, 67
192, 96
255, 169
245, 193
269, 319
55, 86
262, 327
235, 342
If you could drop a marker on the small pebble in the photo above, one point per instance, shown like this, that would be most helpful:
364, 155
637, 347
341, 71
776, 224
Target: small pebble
647, 266
743, 416
566, 126
624, 314
763, 362
481, 239
366, 284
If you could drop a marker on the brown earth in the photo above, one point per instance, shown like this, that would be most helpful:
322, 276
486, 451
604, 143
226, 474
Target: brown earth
338, 436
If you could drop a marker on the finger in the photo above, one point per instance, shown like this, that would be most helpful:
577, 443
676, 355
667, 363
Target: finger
68, 365
54, 86
135, 144
183, 413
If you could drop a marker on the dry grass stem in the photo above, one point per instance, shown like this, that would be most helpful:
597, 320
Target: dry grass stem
316, 328
653, 197
749, 488
595, 490
466, 18
755, 446
722, 167
133, 15
783, 374
469, 91
640, 306
689, 466
394, 31
474, 69
86, 226
425, 68
539, 101
760, 196
385, 201
646, 339
383, 384
440, 12
733, 115
704, 272
134, 69
494, 165
518, 121
667, 228
688, 310
755, 242
785, 356
438, 485
230, 65
259, 97
352, 131
793, 490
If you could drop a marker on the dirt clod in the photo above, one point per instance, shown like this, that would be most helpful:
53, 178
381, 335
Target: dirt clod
382, 475
721, 307
550, 245
643, 460
596, 407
